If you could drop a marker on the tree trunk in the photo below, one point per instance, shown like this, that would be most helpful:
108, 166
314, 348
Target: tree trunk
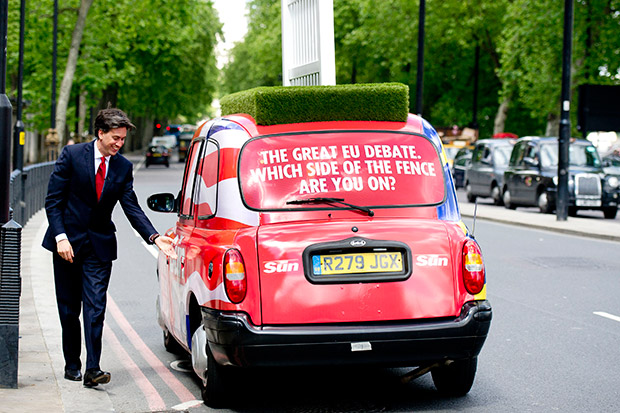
81, 117
67, 80
500, 118
553, 125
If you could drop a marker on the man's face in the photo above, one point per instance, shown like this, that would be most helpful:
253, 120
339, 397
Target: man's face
109, 143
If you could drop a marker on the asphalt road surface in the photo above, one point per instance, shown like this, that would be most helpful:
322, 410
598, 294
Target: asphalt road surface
553, 343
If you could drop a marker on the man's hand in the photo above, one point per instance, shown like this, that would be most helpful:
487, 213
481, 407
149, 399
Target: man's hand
65, 250
164, 243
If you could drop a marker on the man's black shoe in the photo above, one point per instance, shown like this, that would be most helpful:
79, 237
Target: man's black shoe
73, 374
94, 377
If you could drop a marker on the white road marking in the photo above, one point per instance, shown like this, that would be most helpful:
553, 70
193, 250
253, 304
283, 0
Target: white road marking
607, 315
187, 405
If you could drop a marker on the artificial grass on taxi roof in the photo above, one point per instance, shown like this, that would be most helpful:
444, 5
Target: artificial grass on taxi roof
293, 104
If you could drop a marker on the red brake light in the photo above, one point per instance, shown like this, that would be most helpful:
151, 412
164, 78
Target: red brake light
473, 267
167, 127
234, 276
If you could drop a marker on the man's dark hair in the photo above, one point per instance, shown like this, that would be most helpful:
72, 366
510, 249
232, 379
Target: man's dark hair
112, 118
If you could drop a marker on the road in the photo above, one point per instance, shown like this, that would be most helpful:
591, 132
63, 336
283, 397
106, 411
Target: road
553, 343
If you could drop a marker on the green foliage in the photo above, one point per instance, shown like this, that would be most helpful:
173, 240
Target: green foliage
520, 45
153, 58
257, 60
275, 105
531, 50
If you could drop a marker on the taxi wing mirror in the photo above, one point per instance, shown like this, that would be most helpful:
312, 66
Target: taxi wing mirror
164, 202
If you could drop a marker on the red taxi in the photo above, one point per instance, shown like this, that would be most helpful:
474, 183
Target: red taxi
321, 242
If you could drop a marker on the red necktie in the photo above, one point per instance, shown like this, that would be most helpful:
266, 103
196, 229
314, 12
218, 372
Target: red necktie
100, 177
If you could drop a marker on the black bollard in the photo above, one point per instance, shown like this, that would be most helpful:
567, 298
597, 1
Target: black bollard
10, 292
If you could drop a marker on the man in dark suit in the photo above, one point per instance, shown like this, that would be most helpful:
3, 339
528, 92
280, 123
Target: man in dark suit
87, 182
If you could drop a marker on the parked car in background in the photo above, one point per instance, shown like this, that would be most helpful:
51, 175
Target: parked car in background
185, 139
461, 162
169, 141
322, 243
157, 154
531, 177
485, 175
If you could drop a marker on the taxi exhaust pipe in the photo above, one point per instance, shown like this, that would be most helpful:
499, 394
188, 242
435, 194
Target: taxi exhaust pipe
422, 370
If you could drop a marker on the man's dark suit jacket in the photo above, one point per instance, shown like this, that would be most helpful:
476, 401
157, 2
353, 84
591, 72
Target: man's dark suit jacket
72, 206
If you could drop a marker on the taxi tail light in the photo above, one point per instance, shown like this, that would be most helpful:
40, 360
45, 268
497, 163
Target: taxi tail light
235, 279
473, 267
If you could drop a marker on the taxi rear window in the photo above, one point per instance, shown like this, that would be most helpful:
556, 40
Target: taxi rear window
365, 168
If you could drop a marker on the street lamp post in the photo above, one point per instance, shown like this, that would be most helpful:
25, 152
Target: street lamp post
18, 130
6, 111
54, 58
420, 78
563, 141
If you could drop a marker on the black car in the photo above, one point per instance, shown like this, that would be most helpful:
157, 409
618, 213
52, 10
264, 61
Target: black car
460, 165
485, 175
157, 154
531, 177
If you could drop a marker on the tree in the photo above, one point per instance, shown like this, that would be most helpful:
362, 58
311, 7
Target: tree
257, 60
531, 48
67, 80
153, 58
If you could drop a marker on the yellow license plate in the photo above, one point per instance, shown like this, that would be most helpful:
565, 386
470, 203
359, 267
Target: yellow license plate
368, 262
156, 155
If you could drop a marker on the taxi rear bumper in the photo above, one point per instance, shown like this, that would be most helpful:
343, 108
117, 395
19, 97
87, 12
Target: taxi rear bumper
234, 341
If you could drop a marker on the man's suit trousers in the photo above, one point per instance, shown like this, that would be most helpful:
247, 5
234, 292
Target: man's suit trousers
82, 283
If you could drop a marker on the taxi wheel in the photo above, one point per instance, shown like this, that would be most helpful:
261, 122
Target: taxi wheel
543, 203
171, 344
507, 200
456, 378
470, 197
213, 389
496, 194
572, 211
610, 212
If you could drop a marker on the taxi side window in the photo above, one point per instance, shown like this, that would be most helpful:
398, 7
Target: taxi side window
531, 153
477, 154
517, 154
205, 194
186, 207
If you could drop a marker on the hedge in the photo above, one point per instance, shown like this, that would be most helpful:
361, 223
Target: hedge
294, 104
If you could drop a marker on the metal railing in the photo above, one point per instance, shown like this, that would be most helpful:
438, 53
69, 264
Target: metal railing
28, 189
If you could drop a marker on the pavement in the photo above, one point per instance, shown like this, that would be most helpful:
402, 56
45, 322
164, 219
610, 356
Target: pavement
41, 386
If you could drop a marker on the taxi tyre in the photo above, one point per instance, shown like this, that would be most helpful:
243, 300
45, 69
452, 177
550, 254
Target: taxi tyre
496, 194
171, 344
507, 199
455, 379
543, 202
610, 212
214, 390
572, 211
470, 196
